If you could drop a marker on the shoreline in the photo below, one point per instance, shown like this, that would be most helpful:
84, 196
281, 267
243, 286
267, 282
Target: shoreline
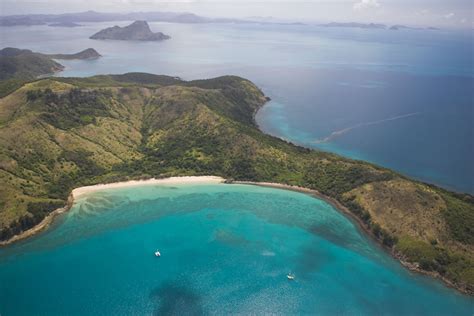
77, 192
44, 224
414, 267
80, 191
153, 181
334, 203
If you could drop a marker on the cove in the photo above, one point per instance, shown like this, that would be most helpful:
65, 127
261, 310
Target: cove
225, 249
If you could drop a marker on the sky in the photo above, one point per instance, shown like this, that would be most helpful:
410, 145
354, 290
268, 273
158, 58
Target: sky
441, 13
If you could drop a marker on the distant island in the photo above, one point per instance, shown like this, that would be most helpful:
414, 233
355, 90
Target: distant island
356, 25
376, 26
70, 20
64, 24
404, 27
26, 64
137, 31
93, 16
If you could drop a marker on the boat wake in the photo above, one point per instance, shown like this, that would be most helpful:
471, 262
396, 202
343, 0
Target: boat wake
341, 132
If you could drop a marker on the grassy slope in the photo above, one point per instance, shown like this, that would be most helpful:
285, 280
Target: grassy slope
20, 65
57, 134
27, 66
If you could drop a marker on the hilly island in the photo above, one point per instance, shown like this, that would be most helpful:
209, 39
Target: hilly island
137, 31
57, 134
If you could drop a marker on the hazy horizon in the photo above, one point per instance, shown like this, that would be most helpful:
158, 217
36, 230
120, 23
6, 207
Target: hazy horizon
438, 13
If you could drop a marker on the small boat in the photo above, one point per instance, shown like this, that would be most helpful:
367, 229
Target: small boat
290, 276
157, 254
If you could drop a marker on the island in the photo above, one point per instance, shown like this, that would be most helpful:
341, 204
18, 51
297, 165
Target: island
93, 16
355, 25
375, 26
18, 63
65, 24
58, 134
137, 31
404, 27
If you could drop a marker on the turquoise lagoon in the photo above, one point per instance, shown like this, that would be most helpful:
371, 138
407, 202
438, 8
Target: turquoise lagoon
225, 249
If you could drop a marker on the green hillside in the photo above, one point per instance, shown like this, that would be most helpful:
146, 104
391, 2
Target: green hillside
58, 134
23, 64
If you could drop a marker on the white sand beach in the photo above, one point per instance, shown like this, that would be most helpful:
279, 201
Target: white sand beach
98, 187
166, 181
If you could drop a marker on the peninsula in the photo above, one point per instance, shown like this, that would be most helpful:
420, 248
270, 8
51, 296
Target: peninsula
58, 134
137, 31
18, 63
88, 53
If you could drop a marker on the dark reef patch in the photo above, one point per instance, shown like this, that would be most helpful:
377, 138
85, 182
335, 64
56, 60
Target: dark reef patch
176, 299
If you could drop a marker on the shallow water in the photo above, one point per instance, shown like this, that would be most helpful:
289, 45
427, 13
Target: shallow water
321, 80
225, 249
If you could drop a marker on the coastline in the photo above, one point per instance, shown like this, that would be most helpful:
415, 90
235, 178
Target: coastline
80, 191
341, 208
45, 223
77, 192
334, 203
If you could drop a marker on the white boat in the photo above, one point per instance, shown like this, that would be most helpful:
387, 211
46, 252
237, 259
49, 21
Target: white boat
290, 276
157, 254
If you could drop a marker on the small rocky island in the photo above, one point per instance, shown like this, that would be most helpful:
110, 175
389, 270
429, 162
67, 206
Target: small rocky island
137, 31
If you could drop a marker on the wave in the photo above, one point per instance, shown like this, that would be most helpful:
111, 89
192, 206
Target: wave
343, 131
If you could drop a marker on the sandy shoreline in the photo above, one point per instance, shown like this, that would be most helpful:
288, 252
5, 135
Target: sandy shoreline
133, 183
77, 192
46, 222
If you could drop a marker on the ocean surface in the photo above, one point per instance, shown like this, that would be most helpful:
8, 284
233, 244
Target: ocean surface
402, 99
225, 249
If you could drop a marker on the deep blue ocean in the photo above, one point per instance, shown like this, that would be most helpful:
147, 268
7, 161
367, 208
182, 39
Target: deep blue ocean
226, 249
402, 99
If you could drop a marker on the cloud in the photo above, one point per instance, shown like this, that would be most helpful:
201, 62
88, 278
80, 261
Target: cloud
422, 13
449, 15
366, 4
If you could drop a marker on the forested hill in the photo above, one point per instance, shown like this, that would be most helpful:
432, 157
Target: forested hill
60, 133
